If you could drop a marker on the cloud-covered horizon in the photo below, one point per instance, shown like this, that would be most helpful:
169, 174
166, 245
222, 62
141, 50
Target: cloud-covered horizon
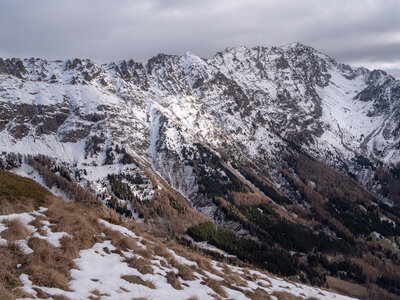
360, 32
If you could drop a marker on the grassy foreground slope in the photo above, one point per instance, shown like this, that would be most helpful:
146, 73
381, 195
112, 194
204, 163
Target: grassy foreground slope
53, 249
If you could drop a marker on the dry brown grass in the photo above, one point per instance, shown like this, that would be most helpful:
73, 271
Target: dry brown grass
216, 286
47, 265
173, 280
185, 272
97, 295
42, 276
143, 266
38, 224
9, 276
20, 194
49, 256
262, 284
160, 250
345, 287
232, 277
41, 294
138, 280
59, 297
123, 242
15, 230
5, 294
75, 220
259, 294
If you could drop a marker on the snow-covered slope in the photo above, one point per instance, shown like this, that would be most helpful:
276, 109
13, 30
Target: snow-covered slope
150, 269
247, 102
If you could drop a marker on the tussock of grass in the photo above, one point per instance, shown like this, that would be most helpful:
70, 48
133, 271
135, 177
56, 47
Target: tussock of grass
59, 297
185, 272
140, 264
124, 243
259, 294
75, 220
172, 279
216, 286
160, 250
42, 276
50, 256
4, 293
15, 230
47, 265
285, 296
8, 272
41, 294
98, 294
233, 277
38, 225
138, 280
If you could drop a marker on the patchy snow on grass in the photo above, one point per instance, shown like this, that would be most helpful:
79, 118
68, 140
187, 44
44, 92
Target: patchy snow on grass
104, 270
182, 260
25, 218
119, 228
51, 237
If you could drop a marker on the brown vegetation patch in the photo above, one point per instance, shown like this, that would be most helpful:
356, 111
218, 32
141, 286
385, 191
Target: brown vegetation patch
15, 230
9, 277
4, 293
42, 276
98, 295
138, 280
185, 272
173, 280
346, 287
216, 286
41, 294
47, 265
20, 194
143, 266
125, 243
49, 256
75, 220
37, 223
59, 297
232, 277
259, 294
285, 296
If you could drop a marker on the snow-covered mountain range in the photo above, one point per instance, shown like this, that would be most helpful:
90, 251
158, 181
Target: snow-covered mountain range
248, 103
288, 126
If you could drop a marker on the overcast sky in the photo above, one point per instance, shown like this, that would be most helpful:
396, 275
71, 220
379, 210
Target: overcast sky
362, 33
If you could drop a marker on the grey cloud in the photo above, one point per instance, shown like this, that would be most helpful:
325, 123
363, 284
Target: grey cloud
105, 30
